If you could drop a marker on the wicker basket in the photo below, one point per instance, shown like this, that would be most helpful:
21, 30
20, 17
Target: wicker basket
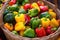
11, 36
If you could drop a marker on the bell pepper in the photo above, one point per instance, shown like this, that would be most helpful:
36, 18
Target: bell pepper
8, 26
54, 29
49, 30
45, 22
43, 8
54, 23
32, 12
25, 1
53, 14
29, 33
50, 10
27, 19
21, 10
40, 3
13, 7
20, 18
45, 14
35, 5
19, 26
12, 2
34, 22
27, 6
40, 32
15, 32
9, 18
15, 13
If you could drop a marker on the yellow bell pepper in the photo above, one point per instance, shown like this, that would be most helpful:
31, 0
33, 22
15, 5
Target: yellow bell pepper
15, 13
45, 22
19, 26
53, 14
50, 10
20, 18
54, 23
8, 26
35, 5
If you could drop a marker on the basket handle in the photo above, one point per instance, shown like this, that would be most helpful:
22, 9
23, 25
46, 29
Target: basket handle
2, 11
55, 2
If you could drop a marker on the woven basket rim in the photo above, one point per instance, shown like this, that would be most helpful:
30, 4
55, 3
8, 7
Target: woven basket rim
47, 37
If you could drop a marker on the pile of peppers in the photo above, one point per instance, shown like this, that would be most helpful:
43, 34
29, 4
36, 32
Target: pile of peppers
2, 3
30, 20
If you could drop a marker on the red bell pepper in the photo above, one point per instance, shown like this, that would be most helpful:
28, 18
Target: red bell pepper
40, 32
27, 6
12, 2
43, 8
40, 3
27, 18
48, 30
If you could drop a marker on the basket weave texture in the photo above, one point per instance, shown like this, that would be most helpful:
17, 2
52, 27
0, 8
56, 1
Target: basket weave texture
11, 36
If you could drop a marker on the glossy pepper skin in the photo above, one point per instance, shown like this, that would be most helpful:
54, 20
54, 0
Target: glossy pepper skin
19, 26
27, 19
48, 30
35, 5
45, 22
25, 1
13, 7
20, 18
54, 23
8, 26
9, 18
27, 6
29, 33
32, 12
22, 11
40, 32
40, 3
43, 8
34, 22
45, 14
12, 2
53, 14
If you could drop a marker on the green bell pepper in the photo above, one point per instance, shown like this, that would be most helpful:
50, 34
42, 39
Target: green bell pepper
45, 14
15, 32
25, 1
35, 22
33, 12
13, 7
29, 33
9, 18
22, 11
